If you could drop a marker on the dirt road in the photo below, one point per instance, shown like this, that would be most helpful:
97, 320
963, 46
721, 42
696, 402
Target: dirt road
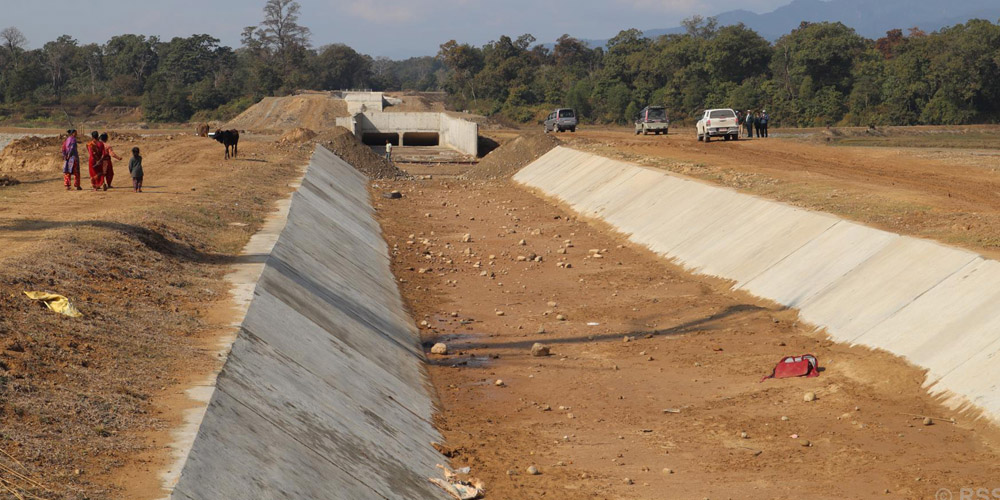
948, 194
87, 404
653, 388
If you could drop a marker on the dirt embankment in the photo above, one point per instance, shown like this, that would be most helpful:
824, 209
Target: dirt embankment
297, 135
32, 154
416, 102
37, 154
313, 111
512, 156
83, 401
345, 145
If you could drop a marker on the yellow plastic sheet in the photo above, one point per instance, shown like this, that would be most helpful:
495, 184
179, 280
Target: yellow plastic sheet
57, 303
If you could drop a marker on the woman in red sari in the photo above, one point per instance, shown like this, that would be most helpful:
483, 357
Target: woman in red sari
95, 150
109, 168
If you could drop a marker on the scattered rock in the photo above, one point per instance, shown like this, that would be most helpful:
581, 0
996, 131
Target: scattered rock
467, 238
804, 442
744, 435
500, 313
928, 421
440, 349
561, 317
809, 397
539, 350
533, 470
522, 243
628, 481
499, 383
668, 471
785, 419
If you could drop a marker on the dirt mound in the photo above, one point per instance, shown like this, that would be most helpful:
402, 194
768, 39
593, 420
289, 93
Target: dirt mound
506, 160
114, 137
298, 136
313, 111
415, 102
32, 154
345, 145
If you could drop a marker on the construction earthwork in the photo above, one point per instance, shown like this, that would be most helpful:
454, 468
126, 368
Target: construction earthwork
588, 315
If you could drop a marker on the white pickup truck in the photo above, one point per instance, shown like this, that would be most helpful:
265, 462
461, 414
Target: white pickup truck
718, 123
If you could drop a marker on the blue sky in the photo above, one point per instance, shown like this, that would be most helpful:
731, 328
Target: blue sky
393, 28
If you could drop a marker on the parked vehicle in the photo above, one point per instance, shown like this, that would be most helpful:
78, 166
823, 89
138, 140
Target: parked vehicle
652, 119
718, 123
561, 120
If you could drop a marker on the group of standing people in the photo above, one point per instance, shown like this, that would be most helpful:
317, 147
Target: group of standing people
753, 122
102, 170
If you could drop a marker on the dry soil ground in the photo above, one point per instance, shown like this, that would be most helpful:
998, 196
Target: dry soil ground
592, 416
86, 404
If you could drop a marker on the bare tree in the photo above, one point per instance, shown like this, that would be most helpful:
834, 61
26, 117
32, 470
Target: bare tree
281, 28
381, 66
14, 41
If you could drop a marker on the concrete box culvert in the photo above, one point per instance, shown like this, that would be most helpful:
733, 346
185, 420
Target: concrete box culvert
379, 138
931, 304
421, 139
415, 129
324, 394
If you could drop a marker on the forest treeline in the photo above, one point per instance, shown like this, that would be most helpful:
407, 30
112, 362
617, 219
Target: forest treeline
819, 74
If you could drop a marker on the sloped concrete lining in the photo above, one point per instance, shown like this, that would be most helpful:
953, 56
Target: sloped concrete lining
935, 305
324, 394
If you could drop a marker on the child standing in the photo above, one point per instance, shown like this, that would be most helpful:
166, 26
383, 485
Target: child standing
135, 169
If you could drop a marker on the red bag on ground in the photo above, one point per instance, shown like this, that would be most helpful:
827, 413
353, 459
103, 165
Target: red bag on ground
805, 365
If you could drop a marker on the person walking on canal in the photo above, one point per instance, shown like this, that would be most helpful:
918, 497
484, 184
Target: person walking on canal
95, 151
135, 170
71, 160
388, 150
109, 168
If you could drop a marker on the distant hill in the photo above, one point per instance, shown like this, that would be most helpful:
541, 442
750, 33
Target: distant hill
870, 18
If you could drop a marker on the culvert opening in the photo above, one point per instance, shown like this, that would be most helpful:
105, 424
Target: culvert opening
421, 139
378, 138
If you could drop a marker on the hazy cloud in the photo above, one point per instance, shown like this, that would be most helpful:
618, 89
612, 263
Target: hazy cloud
395, 28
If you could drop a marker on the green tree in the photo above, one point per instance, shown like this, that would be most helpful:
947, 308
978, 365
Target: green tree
341, 67
737, 53
60, 61
130, 60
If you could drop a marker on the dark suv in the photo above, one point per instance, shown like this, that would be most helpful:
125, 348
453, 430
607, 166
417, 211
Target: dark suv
560, 120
